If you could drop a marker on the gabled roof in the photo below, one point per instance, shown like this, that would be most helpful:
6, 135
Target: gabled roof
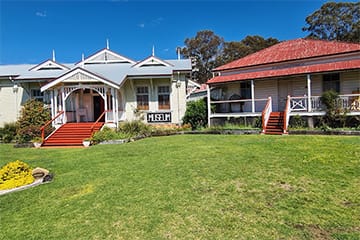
152, 61
49, 65
291, 50
81, 75
105, 56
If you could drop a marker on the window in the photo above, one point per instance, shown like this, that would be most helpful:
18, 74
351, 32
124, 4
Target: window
164, 97
331, 82
37, 94
142, 98
245, 90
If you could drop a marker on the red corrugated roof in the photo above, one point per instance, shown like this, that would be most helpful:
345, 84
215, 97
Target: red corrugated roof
316, 68
292, 50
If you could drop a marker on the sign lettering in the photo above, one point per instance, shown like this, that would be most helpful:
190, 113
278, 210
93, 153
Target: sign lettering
163, 117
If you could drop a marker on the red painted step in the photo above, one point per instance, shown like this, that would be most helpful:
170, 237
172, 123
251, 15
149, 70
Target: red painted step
71, 134
275, 125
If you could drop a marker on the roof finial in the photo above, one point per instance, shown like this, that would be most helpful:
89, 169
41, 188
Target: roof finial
153, 51
53, 55
178, 51
107, 43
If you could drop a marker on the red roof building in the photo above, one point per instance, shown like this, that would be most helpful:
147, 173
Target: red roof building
301, 69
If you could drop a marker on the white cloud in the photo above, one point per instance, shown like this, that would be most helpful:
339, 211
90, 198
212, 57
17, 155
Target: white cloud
41, 14
157, 21
141, 25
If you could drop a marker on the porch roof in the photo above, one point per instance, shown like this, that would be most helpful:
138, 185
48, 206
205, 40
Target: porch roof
298, 70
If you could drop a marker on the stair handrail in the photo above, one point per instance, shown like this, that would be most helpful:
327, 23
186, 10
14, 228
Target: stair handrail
42, 129
286, 114
266, 113
98, 120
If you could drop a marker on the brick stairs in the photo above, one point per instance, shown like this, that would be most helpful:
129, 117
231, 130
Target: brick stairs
275, 124
71, 134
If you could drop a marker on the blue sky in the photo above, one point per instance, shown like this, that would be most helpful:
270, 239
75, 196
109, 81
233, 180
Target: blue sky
30, 30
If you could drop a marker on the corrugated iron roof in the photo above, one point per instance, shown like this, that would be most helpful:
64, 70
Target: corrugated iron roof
291, 50
316, 68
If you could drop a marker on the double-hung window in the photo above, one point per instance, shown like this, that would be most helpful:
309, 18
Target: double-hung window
142, 98
164, 97
37, 94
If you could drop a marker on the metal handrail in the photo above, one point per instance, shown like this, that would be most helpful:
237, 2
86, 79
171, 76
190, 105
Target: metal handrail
266, 113
42, 129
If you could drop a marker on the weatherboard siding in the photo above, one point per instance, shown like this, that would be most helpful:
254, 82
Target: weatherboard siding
349, 82
265, 89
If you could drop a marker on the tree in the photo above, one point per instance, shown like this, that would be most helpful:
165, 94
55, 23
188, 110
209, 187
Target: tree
335, 21
250, 44
257, 43
203, 49
208, 51
33, 116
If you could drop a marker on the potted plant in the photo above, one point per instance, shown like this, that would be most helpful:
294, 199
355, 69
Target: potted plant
37, 141
86, 142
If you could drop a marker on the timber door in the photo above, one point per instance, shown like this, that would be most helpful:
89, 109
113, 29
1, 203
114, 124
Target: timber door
284, 89
98, 108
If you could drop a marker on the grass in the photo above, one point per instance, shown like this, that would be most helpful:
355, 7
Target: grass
191, 187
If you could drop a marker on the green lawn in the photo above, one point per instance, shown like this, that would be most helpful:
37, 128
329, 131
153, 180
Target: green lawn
191, 187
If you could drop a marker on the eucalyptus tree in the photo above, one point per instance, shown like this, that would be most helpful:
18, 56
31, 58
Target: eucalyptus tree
203, 49
335, 21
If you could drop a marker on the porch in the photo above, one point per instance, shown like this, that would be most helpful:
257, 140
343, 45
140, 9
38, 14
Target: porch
295, 105
85, 103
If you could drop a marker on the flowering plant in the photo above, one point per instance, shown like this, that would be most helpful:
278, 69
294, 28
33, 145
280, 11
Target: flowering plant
15, 174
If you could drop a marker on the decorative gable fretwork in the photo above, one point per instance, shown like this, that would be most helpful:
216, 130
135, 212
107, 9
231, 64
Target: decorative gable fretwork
80, 77
49, 65
153, 61
105, 56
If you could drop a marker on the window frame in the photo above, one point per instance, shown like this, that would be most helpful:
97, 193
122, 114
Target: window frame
245, 90
40, 97
142, 98
162, 106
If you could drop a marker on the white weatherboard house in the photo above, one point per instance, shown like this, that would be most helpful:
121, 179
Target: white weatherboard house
285, 80
105, 86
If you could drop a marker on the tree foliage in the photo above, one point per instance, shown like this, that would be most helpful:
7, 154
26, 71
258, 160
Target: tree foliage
196, 114
335, 21
203, 49
33, 116
250, 44
208, 51
335, 116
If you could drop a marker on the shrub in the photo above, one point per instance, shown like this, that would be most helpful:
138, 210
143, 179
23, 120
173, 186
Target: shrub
15, 174
8, 132
335, 116
106, 134
135, 128
33, 116
196, 114
297, 122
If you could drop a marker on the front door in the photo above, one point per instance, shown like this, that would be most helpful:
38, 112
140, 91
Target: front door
284, 89
98, 108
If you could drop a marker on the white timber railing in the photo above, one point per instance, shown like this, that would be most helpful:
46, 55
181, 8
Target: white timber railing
266, 113
350, 102
286, 114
